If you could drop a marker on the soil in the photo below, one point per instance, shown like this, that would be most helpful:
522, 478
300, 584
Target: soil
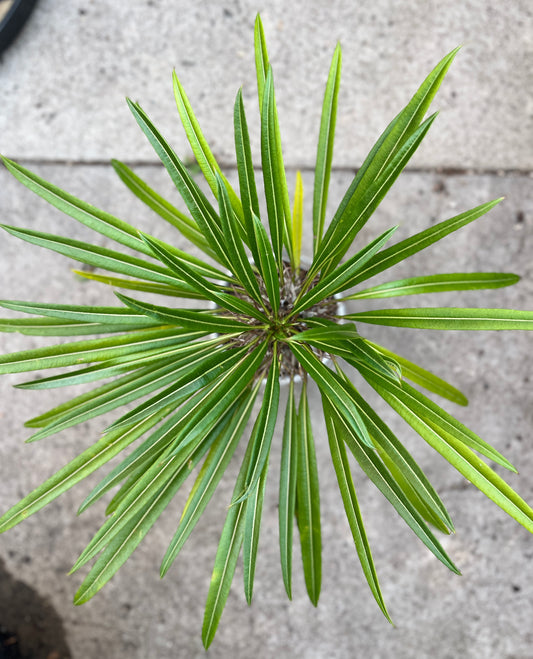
30, 628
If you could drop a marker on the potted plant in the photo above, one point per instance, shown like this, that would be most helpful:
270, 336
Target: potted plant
262, 315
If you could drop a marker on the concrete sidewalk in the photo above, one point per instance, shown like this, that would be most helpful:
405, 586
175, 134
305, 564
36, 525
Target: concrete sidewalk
62, 112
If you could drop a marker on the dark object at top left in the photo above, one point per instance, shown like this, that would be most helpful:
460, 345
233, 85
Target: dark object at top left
13, 15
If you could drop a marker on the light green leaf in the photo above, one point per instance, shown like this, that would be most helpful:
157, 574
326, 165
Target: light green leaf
267, 265
252, 525
287, 488
437, 284
325, 147
339, 239
245, 169
429, 410
463, 459
297, 220
203, 154
342, 277
382, 479
402, 250
443, 318
239, 263
353, 513
185, 224
99, 257
422, 377
91, 350
195, 200
308, 501
212, 471
199, 320
261, 58
333, 388
136, 285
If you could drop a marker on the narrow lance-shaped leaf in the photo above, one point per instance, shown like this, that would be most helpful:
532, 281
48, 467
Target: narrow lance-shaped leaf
245, 170
336, 241
419, 241
332, 387
203, 154
209, 290
200, 209
99, 257
240, 265
438, 417
252, 525
185, 224
341, 278
200, 320
84, 464
261, 59
443, 318
287, 488
264, 426
308, 501
267, 265
437, 284
400, 131
325, 147
353, 513
382, 479
464, 460
422, 377
297, 220
228, 551
212, 471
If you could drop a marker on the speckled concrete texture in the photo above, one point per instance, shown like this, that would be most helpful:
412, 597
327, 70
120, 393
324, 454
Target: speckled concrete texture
62, 111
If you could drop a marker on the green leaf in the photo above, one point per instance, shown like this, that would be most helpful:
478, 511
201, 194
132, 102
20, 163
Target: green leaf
228, 551
183, 223
353, 513
240, 265
382, 479
399, 133
325, 147
437, 284
99, 257
204, 287
287, 488
408, 475
252, 525
267, 265
339, 237
342, 277
105, 315
273, 177
245, 170
297, 220
94, 218
137, 285
308, 501
261, 58
75, 471
203, 154
422, 377
199, 320
443, 318
263, 430
402, 250
91, 350
195, 200
57, 327
440, 418
463, 459
212, 471
333, 388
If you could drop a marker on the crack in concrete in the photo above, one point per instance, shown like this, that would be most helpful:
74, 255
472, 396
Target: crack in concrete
437, 170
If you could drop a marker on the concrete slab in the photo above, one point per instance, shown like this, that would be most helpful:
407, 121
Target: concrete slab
486, 613
64, 81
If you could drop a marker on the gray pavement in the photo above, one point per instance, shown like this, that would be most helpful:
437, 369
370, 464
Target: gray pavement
62, 88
